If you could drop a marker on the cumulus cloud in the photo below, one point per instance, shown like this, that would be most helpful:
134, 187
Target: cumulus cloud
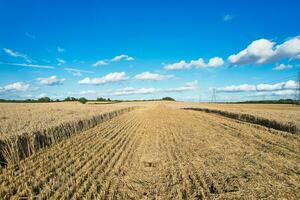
152, 76
190, 86
264, 51
29, 65
133, 91
122, 57
51, 81
60, 50
77, 72
109, 78
16, 54
260, 87
15, 87
60, 61
280, 67
179, 65
114, 59
228, 17
276, 93
200, 63
99, 63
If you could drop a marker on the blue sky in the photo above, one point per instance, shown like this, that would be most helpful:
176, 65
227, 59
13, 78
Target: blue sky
149, 49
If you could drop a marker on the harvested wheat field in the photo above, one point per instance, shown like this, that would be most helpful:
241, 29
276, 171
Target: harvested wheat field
162, 152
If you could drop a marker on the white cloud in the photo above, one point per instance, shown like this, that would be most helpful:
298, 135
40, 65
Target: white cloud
52, 80
16, 54
180, 65
228, 17
122, 57
215, 62
152, 76
15, 87
212, 63
31, 36
41, 95
109, 78
280, 67
77, 72
277, 93
263, 51
133, 91
115, 59
88, 92
60, 61
60, 50
29, 65
237, 88
190, 86
260, 87
100, 63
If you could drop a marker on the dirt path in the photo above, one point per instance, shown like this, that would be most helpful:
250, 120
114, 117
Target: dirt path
162, 153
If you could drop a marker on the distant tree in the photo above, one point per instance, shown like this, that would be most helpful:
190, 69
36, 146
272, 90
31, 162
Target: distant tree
70, 99
101, 99
108, 99
82, 100
44, 99
168, 99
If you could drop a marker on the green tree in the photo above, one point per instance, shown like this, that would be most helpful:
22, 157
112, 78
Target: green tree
44, 99
168, 99
82, 100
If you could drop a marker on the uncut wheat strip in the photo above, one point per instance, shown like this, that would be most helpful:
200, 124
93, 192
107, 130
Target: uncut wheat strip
103, 157
20, 146
59, 163
290, 127
15, 148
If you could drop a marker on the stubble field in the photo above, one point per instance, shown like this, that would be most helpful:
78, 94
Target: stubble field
160, 151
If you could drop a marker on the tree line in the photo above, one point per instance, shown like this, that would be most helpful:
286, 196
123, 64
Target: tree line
82, 100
